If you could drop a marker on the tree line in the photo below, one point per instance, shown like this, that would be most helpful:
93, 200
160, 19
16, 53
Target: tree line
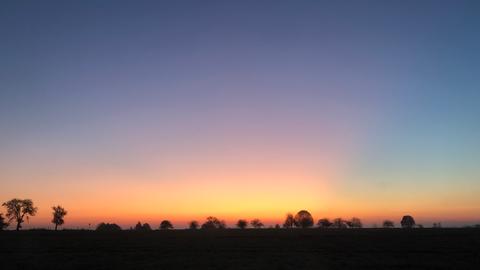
19, 210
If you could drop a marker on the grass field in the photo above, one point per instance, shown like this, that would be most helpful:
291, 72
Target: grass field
243, 249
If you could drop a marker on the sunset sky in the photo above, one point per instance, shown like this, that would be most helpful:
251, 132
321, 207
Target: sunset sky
126, 111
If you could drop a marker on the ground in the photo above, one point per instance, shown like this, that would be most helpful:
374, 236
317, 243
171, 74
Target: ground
243, 249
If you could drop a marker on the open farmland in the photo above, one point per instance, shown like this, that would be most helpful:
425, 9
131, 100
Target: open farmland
243, 249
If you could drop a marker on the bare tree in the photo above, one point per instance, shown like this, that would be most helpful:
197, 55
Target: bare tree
407, 222
3, 224
58, 214
256, 223
166, 225
193, 225
18, 210
388, 224
214, 223
289, 221
303, 219
324, 223
242, 223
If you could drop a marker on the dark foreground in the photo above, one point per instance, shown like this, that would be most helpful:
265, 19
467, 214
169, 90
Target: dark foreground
248, 249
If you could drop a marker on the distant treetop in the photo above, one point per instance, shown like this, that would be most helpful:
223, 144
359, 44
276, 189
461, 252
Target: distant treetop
407, 222
289, 221
256, 223
193, 225
388, 224
355, 223
144, 227
324, 223
303, 219
213, 223
242, 223
108, 227
166, 225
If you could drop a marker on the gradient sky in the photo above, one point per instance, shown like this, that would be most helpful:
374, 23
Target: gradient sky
147, 110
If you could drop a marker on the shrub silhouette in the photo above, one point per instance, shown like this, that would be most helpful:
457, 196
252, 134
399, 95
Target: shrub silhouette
355, 223
166, 225
407, 222
18, 210
289, 221
277, 226
58, 214
108, 227
213, 223
339, 223
324, 223
388, 224
256, 223
193, 225
242, 223
303, 219
3, 224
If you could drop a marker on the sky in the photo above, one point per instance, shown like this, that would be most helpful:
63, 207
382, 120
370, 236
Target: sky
126, 111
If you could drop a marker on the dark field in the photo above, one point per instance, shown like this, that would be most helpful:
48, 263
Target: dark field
247, 249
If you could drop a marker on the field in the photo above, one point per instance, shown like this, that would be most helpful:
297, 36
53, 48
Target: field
243, 249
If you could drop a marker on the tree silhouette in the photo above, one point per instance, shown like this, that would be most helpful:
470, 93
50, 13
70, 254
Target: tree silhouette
108, 227
18, 210
339, 223
256, 223
407, 222
3, 224
289, 221
213, 223
277, 226
144, 227
388, 224
58, 214
242, 223
193, 225
303, 219
166, 225
324, 223
355, 223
